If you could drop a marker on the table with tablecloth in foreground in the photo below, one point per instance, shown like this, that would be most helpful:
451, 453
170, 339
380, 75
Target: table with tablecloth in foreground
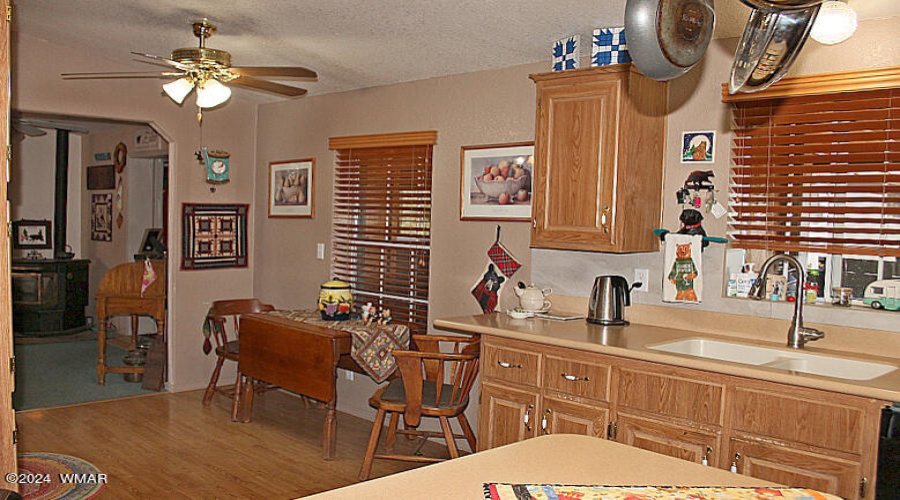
300, 352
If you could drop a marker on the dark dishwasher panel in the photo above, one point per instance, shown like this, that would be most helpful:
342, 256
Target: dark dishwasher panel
888, 481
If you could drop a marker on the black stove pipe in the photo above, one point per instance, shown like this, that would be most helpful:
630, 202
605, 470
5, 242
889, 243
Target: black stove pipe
61, 198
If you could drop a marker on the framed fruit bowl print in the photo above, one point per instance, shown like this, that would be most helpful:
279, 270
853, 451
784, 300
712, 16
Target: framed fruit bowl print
495, 181
292, 188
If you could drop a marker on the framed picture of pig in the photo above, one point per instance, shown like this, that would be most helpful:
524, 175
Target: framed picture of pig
292, 188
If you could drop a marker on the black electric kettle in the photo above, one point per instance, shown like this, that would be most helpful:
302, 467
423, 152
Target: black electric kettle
609, 298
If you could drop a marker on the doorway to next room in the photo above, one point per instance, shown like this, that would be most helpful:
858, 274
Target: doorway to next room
86, 195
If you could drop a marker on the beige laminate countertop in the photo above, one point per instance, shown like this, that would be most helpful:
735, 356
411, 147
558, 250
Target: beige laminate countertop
551, 459
632, 341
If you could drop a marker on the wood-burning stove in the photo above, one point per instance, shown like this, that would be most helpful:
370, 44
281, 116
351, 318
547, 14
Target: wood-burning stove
49, 296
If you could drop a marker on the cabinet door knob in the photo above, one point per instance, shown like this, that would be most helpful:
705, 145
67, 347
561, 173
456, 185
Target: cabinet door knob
734, 467
604, 219
705, 460
544, 421
504, 364
534, 223
527, 418
575, 378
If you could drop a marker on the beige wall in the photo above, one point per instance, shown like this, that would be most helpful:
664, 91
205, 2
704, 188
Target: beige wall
476, 108
32, 187
37, 87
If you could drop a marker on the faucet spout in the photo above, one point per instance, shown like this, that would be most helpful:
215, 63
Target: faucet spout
798, 335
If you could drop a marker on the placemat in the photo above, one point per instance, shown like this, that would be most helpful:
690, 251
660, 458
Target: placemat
507, 491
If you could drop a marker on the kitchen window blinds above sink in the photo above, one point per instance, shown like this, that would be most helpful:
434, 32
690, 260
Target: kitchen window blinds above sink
382, 221
817, 173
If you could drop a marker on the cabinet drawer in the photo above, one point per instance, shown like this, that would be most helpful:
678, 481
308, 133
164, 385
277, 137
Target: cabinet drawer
690, 399
582, 379
798, 419
511, 365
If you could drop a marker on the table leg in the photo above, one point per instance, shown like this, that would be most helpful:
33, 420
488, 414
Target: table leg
330, 429
101, 352
245, 408
135, 323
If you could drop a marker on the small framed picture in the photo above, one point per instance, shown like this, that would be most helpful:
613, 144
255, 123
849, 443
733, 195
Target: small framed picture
698, 147
495, 181
32, 234
292, 188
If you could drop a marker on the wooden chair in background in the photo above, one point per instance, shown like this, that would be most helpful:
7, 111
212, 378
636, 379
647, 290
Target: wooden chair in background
431, 384
228, 349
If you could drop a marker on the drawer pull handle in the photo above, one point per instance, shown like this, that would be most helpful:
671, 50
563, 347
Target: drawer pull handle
705, 460
527, 419
575, 378
544, 421
603, 217
508, 365
734, 466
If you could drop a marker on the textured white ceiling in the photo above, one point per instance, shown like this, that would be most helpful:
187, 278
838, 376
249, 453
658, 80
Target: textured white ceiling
350, 43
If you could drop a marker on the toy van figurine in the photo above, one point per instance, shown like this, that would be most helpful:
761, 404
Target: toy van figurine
884, 294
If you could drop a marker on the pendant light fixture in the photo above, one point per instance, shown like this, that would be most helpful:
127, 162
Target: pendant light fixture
210, 92
835, 23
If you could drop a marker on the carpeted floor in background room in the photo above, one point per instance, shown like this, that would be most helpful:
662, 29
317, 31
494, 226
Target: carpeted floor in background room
64, 373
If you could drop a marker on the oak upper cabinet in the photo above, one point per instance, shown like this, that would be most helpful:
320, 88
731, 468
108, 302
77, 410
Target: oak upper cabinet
600, 137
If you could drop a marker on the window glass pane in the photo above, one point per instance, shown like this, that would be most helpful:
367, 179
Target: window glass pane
858, 273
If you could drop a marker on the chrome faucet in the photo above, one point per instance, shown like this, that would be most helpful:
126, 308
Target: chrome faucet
798, 335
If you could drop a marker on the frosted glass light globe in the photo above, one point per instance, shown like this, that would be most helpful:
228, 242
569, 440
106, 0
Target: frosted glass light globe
835, 23
211, 93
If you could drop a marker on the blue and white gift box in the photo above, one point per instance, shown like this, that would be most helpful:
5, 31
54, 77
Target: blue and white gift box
565, 53
609, 47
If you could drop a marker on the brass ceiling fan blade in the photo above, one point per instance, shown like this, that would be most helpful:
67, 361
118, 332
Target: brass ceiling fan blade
275, 71
275, 88
121, 74
165, 60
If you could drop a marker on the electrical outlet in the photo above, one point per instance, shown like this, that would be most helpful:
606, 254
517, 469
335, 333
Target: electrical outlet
320, 251
348, 375
642, 276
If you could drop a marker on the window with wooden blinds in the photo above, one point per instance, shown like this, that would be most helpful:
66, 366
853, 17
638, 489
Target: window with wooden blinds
818, 173
382, 224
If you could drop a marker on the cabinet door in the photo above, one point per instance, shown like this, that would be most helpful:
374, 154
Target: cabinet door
565, 417
796, 468
668, 438
506, 416
575, 166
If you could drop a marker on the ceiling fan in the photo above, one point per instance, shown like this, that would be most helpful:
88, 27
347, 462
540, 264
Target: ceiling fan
209, 71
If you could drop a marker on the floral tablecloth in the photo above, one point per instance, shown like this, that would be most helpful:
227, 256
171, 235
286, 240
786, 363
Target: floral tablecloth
372, 344
505, 491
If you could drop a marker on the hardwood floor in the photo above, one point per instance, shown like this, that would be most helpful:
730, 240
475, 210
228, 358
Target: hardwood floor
170, 446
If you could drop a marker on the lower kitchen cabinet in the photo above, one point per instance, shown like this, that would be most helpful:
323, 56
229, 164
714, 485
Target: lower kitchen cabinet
803, 469
566, 417
506, 415
672, 439
785, 434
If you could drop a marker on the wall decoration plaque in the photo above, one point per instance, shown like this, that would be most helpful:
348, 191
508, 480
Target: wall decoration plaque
214, 236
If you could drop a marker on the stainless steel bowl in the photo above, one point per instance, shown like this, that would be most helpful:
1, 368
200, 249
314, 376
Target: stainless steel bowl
782, 4
771, 42
666, 38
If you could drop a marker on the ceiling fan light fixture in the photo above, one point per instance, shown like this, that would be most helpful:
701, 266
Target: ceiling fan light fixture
835, 23
211, 93
179, 89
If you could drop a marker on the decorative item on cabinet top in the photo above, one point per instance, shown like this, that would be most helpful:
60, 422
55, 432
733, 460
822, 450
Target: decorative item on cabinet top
609, 47
565, 53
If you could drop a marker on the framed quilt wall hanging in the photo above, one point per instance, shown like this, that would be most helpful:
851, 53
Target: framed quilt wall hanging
214, 236
101, 217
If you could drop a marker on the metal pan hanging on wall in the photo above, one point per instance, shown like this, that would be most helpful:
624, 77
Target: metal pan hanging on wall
771, 41
666, 38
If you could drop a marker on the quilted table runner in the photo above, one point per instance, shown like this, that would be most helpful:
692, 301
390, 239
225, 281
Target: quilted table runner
504, 491
372, 344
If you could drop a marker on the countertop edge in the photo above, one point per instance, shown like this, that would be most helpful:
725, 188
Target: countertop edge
720, 367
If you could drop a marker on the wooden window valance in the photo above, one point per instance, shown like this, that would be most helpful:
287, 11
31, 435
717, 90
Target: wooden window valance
382, 221
817, 172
